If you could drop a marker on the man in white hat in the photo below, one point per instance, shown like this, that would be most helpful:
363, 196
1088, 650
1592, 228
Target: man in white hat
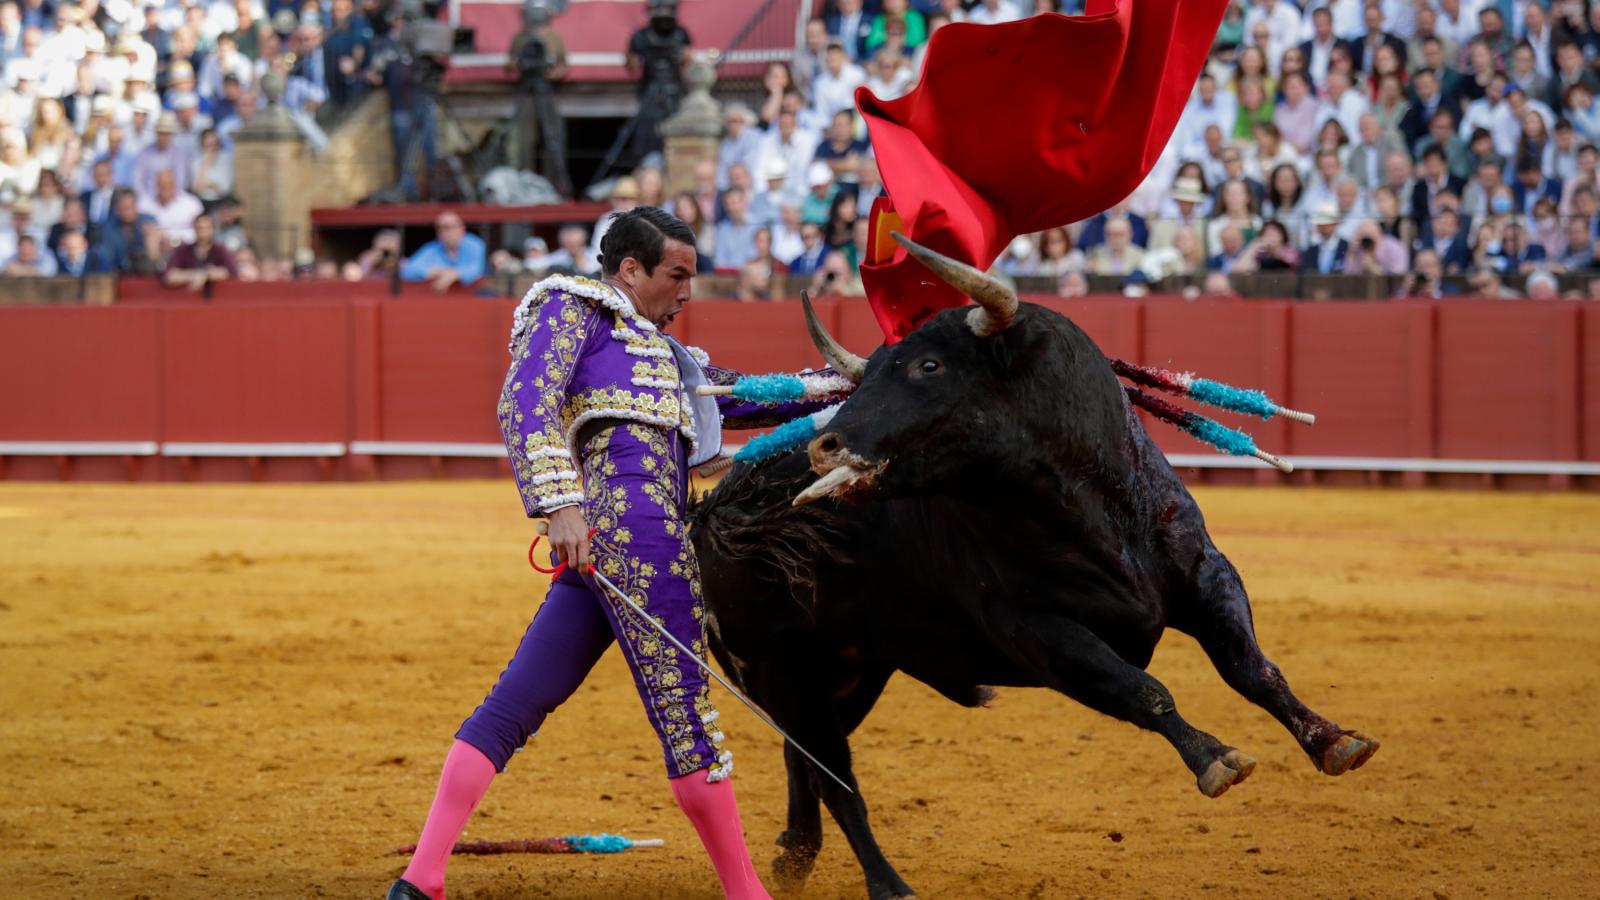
764, 204
1325, 255
164, 155
1187, 209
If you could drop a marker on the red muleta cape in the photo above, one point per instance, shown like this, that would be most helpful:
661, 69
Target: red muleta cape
1020, 127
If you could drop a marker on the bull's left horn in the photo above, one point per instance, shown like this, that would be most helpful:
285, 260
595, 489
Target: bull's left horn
997, 304
843, 361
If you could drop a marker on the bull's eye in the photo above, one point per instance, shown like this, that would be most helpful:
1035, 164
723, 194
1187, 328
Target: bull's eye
929, 366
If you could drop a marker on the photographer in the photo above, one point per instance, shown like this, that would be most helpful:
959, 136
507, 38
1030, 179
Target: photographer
405, 63
656, 56
537, 58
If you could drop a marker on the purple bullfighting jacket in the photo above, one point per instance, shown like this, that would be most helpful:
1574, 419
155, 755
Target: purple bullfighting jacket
581, 352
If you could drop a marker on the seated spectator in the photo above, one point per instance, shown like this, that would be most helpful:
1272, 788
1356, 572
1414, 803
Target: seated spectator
201, 261
129, 244
19, 172
212, 176
1485, 282
98, 195
1427, 277
836, 84
30, 260
1057, 256
172, 209
1255, 108
1446, 240
1271, 251
889, 75
741, 141
1532, 186
1579, 247
818, 201
1441, 133
916, 27
1018, 258
572, 254
1230, 249
836, 277
994, 12
786, 241
735, 233
1516, 253
1296, 114
1235, 207
165, 155
840, 149
813, 250
1072, 284
72, 219
1375, 253
48, 201
1325, 254
1188, 195
839, 232
1542, 285
1094, 230
1119, 255
453, 257
758, 276
72, 257
21, 225
1182, 256
624, 196
687, 208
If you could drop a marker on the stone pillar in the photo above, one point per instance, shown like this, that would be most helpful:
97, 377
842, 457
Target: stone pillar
272, 168
692, 134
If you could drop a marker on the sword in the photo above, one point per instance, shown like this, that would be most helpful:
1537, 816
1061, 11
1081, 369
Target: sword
662, 630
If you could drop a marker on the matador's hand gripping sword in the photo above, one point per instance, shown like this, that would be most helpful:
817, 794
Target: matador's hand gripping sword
704, 666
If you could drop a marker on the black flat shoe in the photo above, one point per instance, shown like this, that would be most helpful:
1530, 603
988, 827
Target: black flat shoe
405, 890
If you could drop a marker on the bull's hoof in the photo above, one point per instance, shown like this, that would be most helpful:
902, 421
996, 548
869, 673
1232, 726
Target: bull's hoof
1350, 751
793, 866
1224, 772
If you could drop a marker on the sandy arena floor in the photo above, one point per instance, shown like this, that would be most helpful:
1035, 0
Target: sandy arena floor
245, 691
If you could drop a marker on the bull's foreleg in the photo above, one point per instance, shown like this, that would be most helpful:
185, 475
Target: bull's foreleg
1072, 659
817, 721
1218, 616
801, 840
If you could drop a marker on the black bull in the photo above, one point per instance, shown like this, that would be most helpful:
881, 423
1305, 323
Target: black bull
1010, 523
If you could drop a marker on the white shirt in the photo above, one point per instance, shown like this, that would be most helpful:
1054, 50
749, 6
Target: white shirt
1004, 11
1348, 110
176, 219
1222, 111
796, 154
835, 92
1283, 25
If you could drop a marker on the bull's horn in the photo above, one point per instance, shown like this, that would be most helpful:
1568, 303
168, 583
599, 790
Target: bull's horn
997, 303
827, 484
843, 361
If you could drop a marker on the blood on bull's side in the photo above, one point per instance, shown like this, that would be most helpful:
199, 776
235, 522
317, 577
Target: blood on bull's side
990, 512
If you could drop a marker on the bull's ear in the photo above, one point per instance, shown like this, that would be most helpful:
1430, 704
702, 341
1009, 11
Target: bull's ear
997, 304
843, 361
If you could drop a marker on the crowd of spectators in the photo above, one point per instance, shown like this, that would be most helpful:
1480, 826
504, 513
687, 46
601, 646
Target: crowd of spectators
117, 120
1416, 138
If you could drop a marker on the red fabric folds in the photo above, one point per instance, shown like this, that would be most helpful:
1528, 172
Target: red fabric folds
1025, 126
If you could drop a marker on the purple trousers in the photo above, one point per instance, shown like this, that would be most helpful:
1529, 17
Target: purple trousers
636, 488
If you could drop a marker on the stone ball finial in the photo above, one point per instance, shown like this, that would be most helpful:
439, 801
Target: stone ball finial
701, 72
272, 85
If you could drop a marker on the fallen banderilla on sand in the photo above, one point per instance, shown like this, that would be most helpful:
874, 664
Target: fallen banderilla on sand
572, 843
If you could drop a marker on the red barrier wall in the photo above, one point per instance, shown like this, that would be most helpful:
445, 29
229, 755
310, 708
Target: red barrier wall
1414, 379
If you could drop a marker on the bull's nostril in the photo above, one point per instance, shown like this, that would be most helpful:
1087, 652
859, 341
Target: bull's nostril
828, 443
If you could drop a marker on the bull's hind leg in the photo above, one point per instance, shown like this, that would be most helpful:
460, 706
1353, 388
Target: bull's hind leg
1218, 616
1072, 659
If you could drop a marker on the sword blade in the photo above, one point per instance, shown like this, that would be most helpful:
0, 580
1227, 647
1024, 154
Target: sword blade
704, 666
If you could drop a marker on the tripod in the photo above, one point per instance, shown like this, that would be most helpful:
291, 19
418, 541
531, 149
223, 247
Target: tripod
659, 100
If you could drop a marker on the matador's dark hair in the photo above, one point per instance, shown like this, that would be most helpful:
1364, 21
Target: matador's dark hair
641, 233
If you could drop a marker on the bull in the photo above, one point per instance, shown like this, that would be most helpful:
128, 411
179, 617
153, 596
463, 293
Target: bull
990, 512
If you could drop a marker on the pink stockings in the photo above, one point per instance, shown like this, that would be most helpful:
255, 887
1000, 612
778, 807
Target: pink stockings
711, 808
714, 812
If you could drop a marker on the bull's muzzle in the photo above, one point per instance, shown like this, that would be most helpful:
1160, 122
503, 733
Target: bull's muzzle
843, 471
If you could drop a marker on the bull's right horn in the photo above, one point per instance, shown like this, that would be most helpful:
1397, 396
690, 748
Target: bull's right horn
997, 303
843, 361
